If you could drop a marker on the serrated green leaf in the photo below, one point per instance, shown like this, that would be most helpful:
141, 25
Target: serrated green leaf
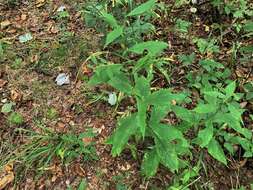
205, 135
230, 89
205, 108
248, 26
158, 113
164, 97
187, 59
232, 122
214, 94
216, 151
210, 64
142, 87
185, 114
104, 73
167, 155
153, 47
168, 133
142, 8
141, 116
150, 163
113, 35
110, 19
126, 127
121, 83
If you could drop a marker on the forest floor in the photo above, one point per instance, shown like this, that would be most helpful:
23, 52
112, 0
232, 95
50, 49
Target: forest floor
61, 44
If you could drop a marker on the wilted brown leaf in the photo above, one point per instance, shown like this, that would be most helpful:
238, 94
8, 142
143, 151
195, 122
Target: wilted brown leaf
5, 24
16, 96
40, 3
6, 176
2, 83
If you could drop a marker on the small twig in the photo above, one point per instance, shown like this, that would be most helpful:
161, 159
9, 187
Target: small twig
191, 183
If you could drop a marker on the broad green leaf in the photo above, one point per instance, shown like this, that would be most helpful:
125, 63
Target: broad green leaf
141, 116
110, 19
142, 63
168, 133
150, 163
126, 127
248, 27
83, 185
142, 87
7, 107
185, 114
205, 108
229, 147
232, 122
158, 113
187, 59
206, 45
236, 112
142, 8
182, 25
113, 35
167, 154
153, 47
230, 89
121, 83
104, 73
216, 151
214, 94
210, 64
205, 135
16, 118
164, 97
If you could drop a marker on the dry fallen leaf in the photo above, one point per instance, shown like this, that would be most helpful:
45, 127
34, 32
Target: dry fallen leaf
86, 70
16, 96
6, 176
2, 83
5, 24
40, 3
23, 17
87, 140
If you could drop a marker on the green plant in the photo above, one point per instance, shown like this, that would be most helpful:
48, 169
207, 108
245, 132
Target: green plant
238, 8
185, 179
182, 25
206, 46
216, 118
132, 25
44, 145
15, 118
164, 150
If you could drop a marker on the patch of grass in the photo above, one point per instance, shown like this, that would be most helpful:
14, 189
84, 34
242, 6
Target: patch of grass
40, 148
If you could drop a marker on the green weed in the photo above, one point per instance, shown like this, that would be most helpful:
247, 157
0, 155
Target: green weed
42, 147
217, 117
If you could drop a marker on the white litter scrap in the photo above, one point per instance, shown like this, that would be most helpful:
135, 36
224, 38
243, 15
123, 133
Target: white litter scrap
112, 100
62, 79
25, 37
61, 8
